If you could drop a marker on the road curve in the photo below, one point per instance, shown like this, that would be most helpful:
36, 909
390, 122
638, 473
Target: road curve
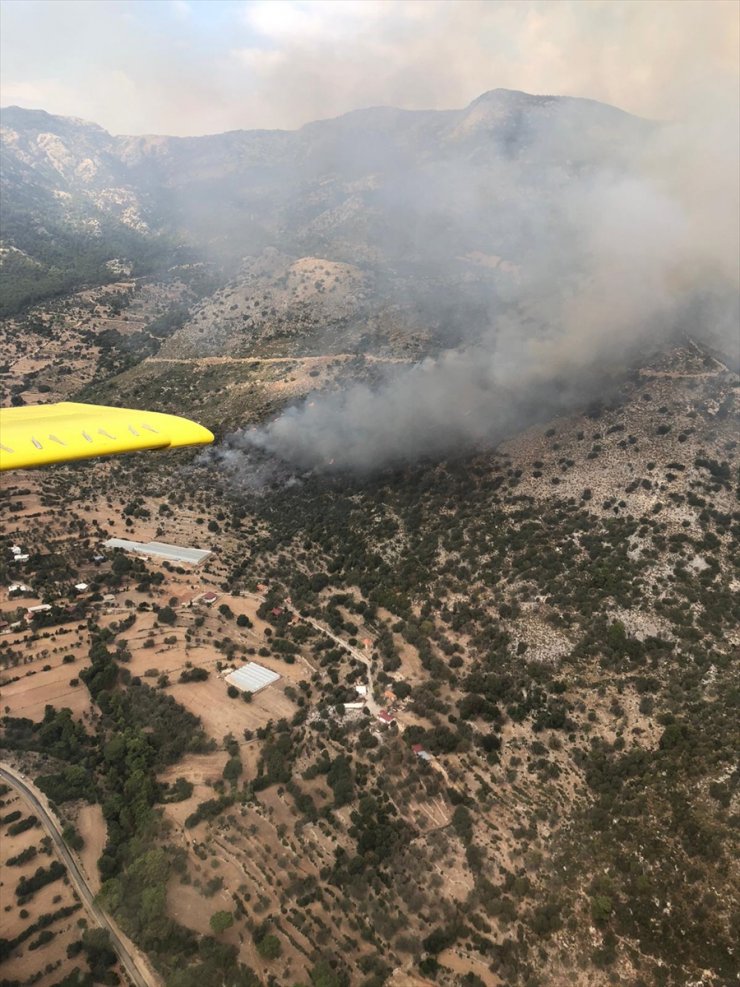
136, 975
369, 700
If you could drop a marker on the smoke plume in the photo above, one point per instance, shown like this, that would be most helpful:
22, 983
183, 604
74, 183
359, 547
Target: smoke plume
614, 260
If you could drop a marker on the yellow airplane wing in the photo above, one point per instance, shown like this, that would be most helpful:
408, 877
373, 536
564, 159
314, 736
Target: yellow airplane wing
38, 435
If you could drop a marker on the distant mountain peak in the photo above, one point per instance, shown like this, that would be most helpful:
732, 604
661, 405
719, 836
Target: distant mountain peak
513, 96
19, 117
355, 189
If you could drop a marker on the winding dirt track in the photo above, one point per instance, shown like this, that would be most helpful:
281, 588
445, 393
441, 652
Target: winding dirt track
132, 964
369, 699
212, 361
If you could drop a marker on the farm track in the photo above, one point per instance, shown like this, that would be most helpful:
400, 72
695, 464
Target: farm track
214, 361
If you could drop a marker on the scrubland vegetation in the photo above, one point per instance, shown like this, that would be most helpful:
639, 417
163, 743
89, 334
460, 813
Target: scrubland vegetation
563, 652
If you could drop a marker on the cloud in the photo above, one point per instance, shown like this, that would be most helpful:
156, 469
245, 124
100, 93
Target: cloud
181, 8
199, 67
313, 21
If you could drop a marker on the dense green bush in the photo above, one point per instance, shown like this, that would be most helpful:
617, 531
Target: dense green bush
41, 877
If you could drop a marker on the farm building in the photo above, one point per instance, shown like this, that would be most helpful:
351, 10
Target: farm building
173, 553
420, 752
252, 677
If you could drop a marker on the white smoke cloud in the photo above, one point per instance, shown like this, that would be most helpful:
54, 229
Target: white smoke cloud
629, 260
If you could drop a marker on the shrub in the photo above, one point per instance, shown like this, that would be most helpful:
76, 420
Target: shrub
221, 921
194, 675
269, 947
42, 876
20, 827
23, 857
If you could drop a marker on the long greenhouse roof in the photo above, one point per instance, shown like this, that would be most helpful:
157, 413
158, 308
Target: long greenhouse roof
252, 677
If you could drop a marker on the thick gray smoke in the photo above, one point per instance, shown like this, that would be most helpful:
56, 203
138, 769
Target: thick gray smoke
612, 263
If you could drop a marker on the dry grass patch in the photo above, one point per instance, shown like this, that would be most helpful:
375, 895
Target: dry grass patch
91, 827
30, 696
221, 715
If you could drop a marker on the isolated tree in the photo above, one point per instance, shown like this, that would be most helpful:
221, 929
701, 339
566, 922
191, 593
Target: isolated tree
232, 769
99, 952
269, 947
322, 975
221, 921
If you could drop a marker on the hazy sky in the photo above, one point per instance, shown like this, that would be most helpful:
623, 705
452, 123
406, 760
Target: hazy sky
204, 66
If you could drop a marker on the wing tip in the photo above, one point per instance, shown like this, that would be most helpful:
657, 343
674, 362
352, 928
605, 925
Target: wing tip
20, 426
191, 435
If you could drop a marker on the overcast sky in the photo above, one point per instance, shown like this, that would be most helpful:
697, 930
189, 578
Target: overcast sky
205, 66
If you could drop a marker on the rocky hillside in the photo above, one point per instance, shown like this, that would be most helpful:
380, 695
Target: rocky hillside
553, 625
383, 189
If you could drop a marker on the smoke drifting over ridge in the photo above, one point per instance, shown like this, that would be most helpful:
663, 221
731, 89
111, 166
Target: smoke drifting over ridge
614, 260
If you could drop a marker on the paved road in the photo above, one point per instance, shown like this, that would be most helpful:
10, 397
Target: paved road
131, 965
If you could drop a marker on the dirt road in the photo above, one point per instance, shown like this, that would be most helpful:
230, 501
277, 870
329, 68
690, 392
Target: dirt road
370, 702
209, 361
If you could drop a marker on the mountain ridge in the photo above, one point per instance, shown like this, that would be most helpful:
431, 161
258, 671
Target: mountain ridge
490, 95
377, 185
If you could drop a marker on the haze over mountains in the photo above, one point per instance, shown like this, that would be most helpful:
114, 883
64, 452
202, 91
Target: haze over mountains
528, 241
278, 184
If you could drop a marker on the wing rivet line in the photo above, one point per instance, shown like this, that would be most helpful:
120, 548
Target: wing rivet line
86, 436
55, 439
37, 443
102, 431
132, 430
5, 448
